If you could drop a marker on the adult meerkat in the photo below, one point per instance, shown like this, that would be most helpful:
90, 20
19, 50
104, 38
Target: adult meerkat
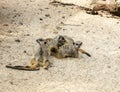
40, 59
69, 41
68, 50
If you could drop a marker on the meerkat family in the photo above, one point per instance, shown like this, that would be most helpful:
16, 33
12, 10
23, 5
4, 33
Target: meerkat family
59, 47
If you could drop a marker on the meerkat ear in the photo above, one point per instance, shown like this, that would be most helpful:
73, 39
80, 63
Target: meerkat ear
73, 43
61, 39
79, 44
39, 40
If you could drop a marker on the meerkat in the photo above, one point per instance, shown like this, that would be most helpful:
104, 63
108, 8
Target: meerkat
68, 41
40, 59
68, 50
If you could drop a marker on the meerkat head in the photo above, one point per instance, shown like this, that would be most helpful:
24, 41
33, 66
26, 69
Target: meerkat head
41, 41
77, 44
61, 40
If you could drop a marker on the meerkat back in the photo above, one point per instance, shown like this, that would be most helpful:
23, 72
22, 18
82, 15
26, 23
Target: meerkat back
69, 50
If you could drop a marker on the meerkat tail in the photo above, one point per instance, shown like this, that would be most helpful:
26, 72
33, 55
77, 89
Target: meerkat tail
84, 52
27, 68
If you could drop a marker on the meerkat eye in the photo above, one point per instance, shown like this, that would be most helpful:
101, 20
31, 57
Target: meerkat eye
77, 44
45, 42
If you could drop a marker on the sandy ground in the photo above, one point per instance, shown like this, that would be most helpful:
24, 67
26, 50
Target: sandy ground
23, 21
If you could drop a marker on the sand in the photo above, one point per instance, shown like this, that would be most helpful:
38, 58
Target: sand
23, 21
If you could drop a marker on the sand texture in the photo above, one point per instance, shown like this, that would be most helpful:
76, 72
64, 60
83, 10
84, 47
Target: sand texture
23, 21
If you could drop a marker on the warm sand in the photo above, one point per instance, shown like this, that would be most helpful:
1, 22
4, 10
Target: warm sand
23, 21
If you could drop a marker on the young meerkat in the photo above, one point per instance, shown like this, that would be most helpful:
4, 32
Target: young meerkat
68, 41
67, 50
40, 59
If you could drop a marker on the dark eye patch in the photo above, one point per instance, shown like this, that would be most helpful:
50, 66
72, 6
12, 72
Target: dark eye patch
77, 44
40, 39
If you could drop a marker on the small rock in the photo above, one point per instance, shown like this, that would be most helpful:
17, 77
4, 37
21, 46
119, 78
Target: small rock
25, 51
5, 24
17, 40
4, 7
20, 23
109, 66
11, 82
14, 16
64, 29
47, 15
87, 31
97, 48
117, 22
59, 11
1, 63
58, 28
46, 8
27, 34
82, 23
27, 4
63, 17
41, 19
41, 9
55, 32
9, 31
62, 23
14, 10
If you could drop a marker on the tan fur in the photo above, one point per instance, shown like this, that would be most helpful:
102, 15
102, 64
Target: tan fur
65, 44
